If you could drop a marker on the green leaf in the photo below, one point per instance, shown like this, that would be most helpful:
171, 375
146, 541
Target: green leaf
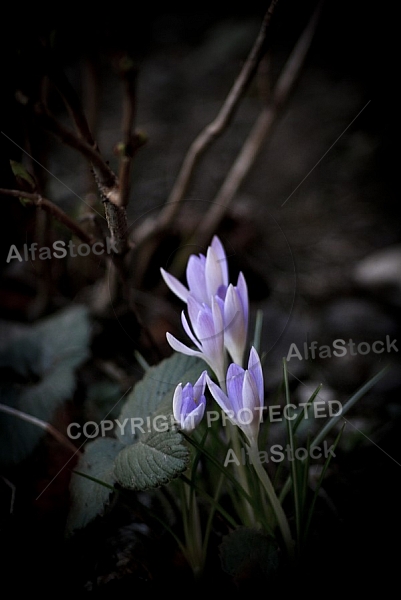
349, 404
293, 465
89, 498
38, 375
153, 395
153, 461
319, 483
21, 173
24, 180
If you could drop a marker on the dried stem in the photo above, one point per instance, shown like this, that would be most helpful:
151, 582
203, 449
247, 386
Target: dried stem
129, 145
218, 125
56, 212
72, 102
106, 179
258, 134
42, 424
105, 175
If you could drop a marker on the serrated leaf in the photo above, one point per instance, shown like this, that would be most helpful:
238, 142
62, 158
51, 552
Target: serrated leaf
90, 498
153, 461
38, 376
154, 393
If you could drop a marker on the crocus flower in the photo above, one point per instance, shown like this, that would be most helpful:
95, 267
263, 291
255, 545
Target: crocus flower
207, 334
206, 275
189, 404
243, 403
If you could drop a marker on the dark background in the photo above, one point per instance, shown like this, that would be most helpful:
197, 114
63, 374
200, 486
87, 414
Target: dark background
301, 260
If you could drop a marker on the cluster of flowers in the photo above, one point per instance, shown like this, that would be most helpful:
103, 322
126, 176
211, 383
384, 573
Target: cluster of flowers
218, 327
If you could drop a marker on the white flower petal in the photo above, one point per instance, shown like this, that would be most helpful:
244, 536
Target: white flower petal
194, 310
219, 396
196, 279
180, 347
221, 258
175, 286
188, 331
235, 330
250, 397
177, 402
213, 273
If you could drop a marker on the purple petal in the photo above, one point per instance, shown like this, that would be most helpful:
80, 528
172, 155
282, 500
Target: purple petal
213, 273
235, 378
219, 396
188, 331
250, 396
175, 286
255, 368
188, 403
196, 278
192, 419
235, 330
243, 294
211, 333
221, 257
180, 347
199, 387
221, 292
194, 310
217, 313
210, 339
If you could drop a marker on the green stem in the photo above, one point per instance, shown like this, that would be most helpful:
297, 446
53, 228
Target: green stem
281, 519
210, 519
242, 477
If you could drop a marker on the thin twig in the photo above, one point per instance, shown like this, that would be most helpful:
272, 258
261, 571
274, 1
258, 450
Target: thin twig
42, 424
258, 134
71, 100
105, 178
129, 110
56, 212
105, 175
218, 125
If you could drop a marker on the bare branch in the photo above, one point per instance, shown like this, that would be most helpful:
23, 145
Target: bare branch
258, 134
53, 210
105, 175
106, 179
117, 221
218, 125
129, 111
71, 101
